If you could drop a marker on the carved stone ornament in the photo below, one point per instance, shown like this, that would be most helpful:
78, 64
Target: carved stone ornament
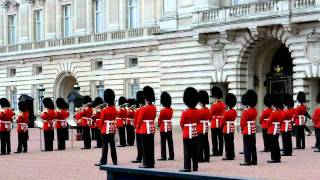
312, 47
218, 55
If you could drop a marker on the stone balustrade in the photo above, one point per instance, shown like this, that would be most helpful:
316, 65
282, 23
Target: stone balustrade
83, 39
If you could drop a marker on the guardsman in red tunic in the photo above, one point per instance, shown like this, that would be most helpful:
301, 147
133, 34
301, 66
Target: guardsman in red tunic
228, 126
62, 115
22, 129
48, 116
108, 128
217, 110
165, 124
145, 123
316, 122
141, 103
86, 121
121, 121
203, 127
98, 104
286, 124
248, 127
131, 104
274, 128
190, 119
264, 121
6, 118
300, 120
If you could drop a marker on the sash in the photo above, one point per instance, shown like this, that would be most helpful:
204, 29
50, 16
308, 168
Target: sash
302, 120
287, 123
63, 122
192, 130
167, 125
23, 126
276, 128
7, 125
251, 127
230, 126
205, 126
149, 126
110, 129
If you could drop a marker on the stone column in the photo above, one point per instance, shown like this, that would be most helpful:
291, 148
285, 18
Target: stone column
50, 19
112, 15
169, 20
123, 18
89, 19
59, 20
23, 22
1, 26
80, 18
148, 12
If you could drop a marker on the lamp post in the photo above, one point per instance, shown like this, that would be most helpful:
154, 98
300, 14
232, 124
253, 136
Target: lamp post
41, 91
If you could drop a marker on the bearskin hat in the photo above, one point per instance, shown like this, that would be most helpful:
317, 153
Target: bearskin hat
140, 98
231, 100
109, 96
267, 100
149, 94
301, 97
216, 92
190, 97
276, 100
62, 104
203, 97
48, 103
318, 98
87, 99
131, 102
122, 100
4, 102
97, 101
288, 100
251, 98
23, 107
165, 99
244, 100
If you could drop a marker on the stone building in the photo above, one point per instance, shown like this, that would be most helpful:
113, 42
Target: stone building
269, 46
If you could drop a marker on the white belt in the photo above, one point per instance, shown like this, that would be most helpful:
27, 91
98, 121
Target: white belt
229, 123
108, 125
276, 127
302, 120
287, 122
249, 126
148, 125
166, 123
266, 119
217, 121
192, 127
24, 126
205, 125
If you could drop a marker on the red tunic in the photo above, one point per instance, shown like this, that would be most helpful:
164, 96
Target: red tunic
22, 121
61, 118
265, 117
6, 118
286, 122
135, 121
217, 109
228, 120
316, 117
300, 110
84, 117
274, 122
145, 121
164, 120
107, 118
96, 122
190, 118
205, 116
48, 116
248, 121
121, 117
130, 117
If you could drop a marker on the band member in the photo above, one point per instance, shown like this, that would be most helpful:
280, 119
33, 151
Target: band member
300, 120
108, 128
217, 110
165, 124
190, 119
145, 123
273, 125
129, 124
248, 126
121, 121
6, 118
22, 129
228, 126
264, 121
316, 121
47, 116
61, 122
140, 104
97, 107
286, 124
85, 122
203, 127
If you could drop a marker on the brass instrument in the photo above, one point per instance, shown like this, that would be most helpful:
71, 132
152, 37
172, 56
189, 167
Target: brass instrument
99, 107
123, 105
133, 107
83, 107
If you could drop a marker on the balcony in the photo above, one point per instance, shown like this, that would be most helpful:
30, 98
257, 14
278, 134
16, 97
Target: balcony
90, 39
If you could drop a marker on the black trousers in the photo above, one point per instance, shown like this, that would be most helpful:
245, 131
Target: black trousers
300, 137
61, 138
66, 133
139, 147
130, 135
148, 149
229, 145
190, 149
275, 149
108, 139
22, 142
250, 150
166, 137
5, 142
48, 140
93, 134
317, 133
217, 141
203, 148
86, 137
287, 142
122, 135
266, 141
98, 137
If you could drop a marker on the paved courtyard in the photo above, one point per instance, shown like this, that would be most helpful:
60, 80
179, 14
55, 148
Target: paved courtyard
79, 164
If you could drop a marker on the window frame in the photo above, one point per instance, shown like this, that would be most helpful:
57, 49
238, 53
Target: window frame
130, 7
10, 70
129, 63
38, 25
67, 20
12, 29
98, 13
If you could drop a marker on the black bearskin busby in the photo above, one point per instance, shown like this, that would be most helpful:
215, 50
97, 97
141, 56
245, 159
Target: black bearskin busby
97, 101
87, 99
109, 97
216, 92
190, 97
318, 98
140, 98
267, 100
4, 102
244, 100
231, 100
48, 103
203, 97
131, 102
62, 104
288, 100
148, 93
251, 98
122, 100
276, 100
23, 107
301, 97
165, 99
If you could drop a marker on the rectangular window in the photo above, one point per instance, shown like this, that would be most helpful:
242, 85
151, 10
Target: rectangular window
12, 29
133, 87
132, 13
14, 99
38, 70
38, 20
100, 89
96, 64
67, 22
98, 15
12, 72
131, 61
